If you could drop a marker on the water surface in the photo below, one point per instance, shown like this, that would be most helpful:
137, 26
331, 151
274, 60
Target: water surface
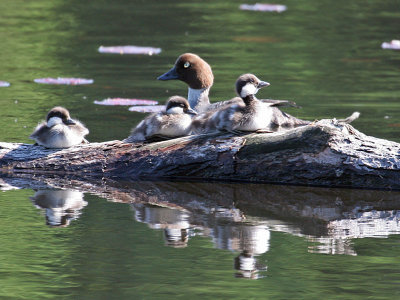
203, 240
180, 240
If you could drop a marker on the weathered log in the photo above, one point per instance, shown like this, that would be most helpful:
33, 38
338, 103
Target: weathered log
326, 153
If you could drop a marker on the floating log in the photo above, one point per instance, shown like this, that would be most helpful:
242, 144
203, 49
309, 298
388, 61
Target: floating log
325, 153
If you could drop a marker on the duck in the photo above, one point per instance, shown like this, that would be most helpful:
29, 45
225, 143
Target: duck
174, 122
250, 114
197, 74
59, 130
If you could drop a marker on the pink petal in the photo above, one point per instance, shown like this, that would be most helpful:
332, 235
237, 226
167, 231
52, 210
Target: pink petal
61, 80
125, 101
264, 7
130, 50
394, 45
4, 84
147, 109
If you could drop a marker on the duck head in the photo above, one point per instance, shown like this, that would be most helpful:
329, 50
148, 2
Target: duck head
178, 105
59, 115
248, 85
191, 69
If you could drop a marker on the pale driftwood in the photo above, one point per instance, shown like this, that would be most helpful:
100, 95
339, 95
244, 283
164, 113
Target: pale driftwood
327, 153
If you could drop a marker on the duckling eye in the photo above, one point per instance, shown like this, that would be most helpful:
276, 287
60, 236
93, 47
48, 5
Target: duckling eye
186, 65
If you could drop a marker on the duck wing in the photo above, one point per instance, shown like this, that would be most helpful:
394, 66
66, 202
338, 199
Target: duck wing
277, 103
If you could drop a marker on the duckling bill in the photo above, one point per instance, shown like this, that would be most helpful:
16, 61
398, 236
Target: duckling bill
59, 130
174, 122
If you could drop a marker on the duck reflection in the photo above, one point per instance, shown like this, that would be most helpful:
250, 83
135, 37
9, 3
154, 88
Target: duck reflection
60, 206
237, 217
247, 239
240, 217
251, 240
174, 222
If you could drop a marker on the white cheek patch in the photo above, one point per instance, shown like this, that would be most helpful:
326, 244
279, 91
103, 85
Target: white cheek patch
54, 121
248, 89
175, 110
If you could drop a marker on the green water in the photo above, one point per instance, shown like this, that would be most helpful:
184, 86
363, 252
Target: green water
307, 243
325, 55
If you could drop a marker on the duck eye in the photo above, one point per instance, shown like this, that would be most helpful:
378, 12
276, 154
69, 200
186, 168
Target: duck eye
186, 65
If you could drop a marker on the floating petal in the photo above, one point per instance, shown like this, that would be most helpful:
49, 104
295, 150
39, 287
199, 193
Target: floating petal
264, 7
147, 108
61, 80
125, 101
4, 84
394, 45
130, 50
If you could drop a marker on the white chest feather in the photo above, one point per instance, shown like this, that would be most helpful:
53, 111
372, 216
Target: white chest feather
176, 125
64, 137
261, 119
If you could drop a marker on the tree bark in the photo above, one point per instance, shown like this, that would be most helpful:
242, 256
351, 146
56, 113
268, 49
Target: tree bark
326, 153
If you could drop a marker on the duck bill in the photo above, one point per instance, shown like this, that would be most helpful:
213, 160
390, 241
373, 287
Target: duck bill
170, 75
70, 122
262, 84
191, 112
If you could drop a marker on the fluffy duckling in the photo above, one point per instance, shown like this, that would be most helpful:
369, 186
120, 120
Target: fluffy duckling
59, 130
174, 122
251, 115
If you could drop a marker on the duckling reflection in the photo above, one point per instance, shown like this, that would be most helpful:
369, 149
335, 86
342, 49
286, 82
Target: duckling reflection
174, 222
251, 240
330, 219
60, 206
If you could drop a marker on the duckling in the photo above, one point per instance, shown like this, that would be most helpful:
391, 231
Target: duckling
59, 130
250, 115
174, 122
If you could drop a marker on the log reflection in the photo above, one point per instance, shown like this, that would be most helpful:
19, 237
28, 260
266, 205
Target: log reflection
241, 217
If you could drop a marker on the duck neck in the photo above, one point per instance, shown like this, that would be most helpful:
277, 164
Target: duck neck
198, 98
249, 99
